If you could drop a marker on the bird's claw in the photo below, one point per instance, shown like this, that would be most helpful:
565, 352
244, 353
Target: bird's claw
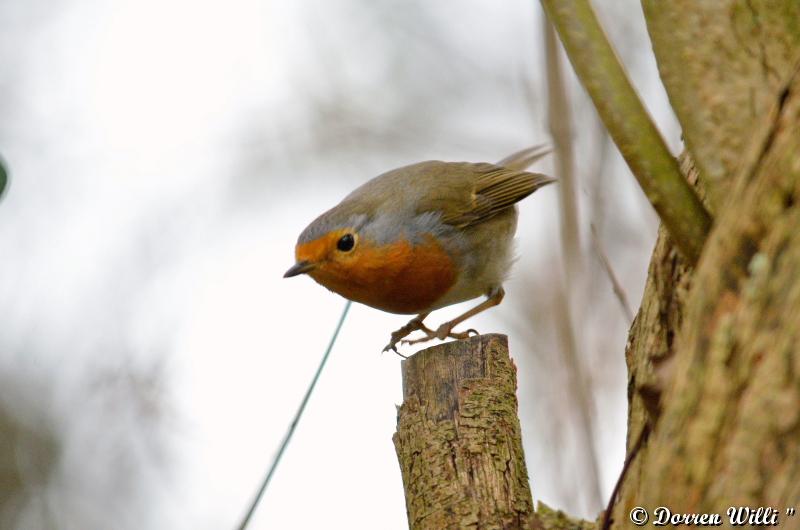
397, 336
393, 345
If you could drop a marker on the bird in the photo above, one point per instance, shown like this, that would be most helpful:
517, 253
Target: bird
422, 237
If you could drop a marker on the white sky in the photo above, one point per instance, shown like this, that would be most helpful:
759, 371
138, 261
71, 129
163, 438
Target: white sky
126, 243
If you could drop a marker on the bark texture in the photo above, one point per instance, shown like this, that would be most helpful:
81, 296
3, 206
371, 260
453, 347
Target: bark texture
651, 347
724, 409
459, 444
458, 438
724, 64
729, 431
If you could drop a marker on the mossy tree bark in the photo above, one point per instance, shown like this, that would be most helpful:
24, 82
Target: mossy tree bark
714, 370
459, 444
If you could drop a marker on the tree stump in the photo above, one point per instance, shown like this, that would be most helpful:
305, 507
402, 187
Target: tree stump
458, 438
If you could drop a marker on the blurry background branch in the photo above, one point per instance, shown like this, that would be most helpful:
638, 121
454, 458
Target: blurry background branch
559, 119
619, 292
3, 177
628, 123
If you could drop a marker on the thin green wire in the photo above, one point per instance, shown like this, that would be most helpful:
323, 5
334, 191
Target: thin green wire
295, 421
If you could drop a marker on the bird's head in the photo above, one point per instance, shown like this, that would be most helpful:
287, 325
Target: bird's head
332, 253
333, 249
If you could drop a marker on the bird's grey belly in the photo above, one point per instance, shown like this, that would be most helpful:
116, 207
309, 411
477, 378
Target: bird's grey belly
485, 260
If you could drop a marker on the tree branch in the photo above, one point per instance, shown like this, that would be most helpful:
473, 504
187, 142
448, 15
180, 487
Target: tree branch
637, 138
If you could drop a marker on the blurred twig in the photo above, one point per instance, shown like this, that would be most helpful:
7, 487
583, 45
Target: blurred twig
619, 292
559, 118
559, 121
3, 178
275, 461
637, 138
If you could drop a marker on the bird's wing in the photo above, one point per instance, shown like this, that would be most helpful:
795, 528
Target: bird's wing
494, 188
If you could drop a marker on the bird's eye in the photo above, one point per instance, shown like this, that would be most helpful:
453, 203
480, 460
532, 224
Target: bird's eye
346, 243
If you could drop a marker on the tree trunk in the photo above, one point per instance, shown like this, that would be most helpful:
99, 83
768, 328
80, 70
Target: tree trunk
714, 370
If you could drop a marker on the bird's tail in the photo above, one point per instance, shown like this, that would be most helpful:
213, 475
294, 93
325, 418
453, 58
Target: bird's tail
522, 159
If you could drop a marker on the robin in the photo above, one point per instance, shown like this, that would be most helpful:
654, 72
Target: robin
422, 237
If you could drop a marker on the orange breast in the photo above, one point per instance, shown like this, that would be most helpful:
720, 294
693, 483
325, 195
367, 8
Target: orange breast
398, 278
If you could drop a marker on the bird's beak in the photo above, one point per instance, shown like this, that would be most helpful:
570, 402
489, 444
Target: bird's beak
301, 267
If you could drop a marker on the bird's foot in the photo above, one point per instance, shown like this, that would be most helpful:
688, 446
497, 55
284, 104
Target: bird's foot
413, 325
445, 331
